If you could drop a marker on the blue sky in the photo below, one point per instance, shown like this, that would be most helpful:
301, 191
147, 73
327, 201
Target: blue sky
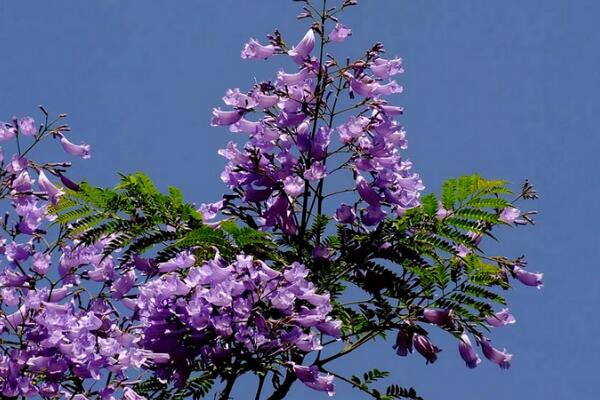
506, 89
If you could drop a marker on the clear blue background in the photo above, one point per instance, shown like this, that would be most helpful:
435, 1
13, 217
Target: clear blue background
505, 88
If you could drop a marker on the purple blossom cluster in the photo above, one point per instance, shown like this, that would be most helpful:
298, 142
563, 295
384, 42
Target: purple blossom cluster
293, 140
49, 341
220, 311
90, 317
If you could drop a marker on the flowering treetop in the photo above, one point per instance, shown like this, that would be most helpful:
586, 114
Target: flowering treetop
154, 298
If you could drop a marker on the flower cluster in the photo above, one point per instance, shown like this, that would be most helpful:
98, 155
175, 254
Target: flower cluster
220, 311
293, 139
48, 339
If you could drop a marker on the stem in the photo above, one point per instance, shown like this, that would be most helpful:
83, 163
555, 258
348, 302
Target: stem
228, 387
285, 387
261, 382
320, 92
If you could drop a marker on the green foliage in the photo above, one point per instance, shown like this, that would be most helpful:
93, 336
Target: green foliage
196, 388
421, 259
136, 217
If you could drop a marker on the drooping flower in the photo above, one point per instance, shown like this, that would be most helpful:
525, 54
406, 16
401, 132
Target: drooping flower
311, 377
48, 187
502, 358
367, 193
345, 214
529, 278
254, 50
466, 351
501, 318
339, 33
372, 215
404, 342
438, 316
424, 346
81, 150
68, 182
123, 285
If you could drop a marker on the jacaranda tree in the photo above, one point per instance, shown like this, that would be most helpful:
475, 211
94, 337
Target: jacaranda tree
324, 243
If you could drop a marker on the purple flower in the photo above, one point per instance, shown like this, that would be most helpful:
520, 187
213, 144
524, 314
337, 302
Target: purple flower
256, 51
466, 351
441, 212
501, 318
404, 342
81, 150
529, 278
7, 131
372, 215
353, 129
387, 89
461, 250
311, 377
41, 263
293, 186
340, 33
315, 172
438, 316
27, 126
17, 252
302, 50
502, 358
322, 252
225, 118
265, 100
68, 183
367, 193
183, 260
235, 98
368, 87
509, 215
123, 285
284, 79
210, 210
331, 327
345, 214
391, 110
383, 68
424, 346
130, 394
48, 187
